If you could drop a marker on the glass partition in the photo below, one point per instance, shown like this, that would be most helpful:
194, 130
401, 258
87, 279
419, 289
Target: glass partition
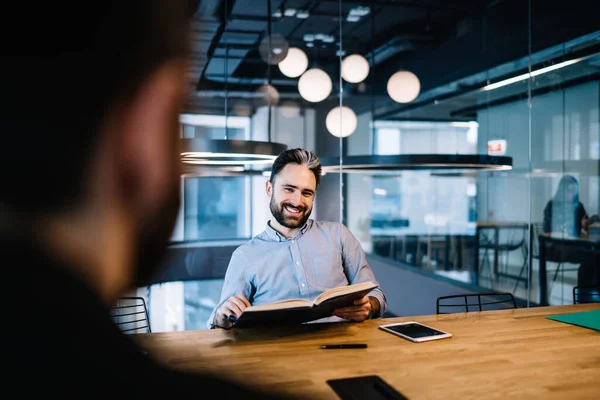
511, 87
441, 78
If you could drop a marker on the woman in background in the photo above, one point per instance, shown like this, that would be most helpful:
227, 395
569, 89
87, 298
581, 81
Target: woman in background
565, 214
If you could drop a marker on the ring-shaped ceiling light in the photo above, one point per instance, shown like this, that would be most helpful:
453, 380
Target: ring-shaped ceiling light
191, 171
388, 164
202, 151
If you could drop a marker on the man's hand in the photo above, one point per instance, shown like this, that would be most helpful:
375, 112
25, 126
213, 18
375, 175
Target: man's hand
234, 306
360, 311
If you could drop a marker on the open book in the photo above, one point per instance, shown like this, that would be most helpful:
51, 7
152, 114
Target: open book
295, 311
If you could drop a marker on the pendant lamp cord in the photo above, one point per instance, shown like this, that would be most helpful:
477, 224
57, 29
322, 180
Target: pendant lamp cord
226, 68
341, 104
269, 71
372, 80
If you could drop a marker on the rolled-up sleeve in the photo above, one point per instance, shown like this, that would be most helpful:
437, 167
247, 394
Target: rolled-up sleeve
235, 283
357, 268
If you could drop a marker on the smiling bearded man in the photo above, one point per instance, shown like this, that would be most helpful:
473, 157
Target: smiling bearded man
296, 256
291, 204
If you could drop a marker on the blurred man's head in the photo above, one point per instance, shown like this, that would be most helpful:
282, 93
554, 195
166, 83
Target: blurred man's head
91, 96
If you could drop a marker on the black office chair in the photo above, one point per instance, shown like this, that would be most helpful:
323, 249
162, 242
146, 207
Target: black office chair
458, 303
130, 314
586, 294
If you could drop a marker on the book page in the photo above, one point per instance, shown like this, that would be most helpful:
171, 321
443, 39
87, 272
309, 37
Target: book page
280, 305
342, 290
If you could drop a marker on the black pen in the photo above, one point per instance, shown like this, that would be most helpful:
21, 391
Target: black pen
344, 346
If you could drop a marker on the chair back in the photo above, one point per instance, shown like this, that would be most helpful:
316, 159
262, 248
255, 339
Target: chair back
509, 238
459, 303
130, 314
536, 229
586, 294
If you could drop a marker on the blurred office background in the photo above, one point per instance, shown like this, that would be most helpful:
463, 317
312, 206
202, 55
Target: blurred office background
459, 118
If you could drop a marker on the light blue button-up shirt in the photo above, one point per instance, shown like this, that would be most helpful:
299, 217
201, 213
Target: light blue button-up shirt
321, 256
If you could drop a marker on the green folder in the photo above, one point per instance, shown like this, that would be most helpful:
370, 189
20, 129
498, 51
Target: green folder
586, 319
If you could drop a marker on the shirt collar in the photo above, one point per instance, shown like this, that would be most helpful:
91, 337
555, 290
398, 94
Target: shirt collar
273, 234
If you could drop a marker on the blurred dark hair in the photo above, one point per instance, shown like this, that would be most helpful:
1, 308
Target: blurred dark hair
563, 186
297, 156
64, 66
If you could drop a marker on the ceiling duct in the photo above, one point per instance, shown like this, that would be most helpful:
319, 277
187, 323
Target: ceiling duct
242, 27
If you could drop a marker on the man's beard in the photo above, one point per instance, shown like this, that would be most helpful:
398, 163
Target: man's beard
153, 240
290, 223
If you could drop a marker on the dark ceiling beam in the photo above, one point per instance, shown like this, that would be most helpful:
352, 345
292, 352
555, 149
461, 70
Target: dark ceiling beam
226, 37
265, 19
372, 14
203, 28
439, 4
311, 11
252, 82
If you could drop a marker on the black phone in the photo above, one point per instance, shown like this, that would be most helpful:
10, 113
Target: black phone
369, 387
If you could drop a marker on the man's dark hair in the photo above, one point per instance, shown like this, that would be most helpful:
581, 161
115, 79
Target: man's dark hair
296, 156
65, 65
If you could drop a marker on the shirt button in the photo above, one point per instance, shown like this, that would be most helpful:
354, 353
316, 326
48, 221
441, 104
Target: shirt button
302, 285
297, 263
292, 241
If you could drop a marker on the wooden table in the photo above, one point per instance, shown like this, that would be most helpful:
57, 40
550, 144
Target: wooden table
545, 239
493, 354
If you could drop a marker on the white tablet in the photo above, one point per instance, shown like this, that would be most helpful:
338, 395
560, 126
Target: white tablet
415, 331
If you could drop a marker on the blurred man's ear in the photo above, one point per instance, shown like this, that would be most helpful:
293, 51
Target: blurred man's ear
149, 137
269, 187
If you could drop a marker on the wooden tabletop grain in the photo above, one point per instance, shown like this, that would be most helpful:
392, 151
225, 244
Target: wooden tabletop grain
494, 354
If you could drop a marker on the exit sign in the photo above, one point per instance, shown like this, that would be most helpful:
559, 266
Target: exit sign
497, 147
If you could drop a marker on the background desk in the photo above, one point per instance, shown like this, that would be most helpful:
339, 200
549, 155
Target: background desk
560, 240
494, 354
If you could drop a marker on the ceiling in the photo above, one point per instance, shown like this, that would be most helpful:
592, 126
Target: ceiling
453, 46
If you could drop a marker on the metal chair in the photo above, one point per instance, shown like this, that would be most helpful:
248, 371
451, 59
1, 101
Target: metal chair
552, 254
586, 294
130, 314
475, 302
503, 241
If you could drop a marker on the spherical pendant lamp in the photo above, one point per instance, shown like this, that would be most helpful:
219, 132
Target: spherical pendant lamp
273, 48
294, 64
314, 85
341, 121
355, 68
403, 87
266, 95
